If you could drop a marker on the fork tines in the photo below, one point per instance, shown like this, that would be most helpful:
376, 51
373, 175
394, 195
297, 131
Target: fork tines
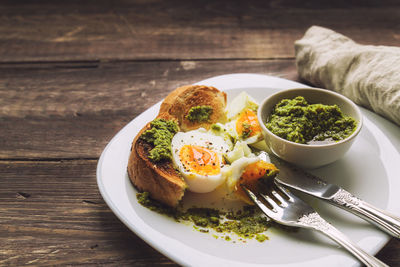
277, 191
273, 203
258, 197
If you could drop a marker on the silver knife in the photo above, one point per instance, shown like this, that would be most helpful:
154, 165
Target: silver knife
296, 178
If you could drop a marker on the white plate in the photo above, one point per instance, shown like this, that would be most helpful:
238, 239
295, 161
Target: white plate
369, 170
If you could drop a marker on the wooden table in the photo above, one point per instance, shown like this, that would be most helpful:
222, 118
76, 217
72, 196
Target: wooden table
73, 74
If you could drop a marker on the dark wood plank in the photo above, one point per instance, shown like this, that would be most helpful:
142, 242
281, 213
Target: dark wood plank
53, 214
390, 254
109, 30
72, 111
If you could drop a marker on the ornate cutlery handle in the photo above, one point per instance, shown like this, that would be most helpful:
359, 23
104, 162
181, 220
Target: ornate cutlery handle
314, 221
383, 219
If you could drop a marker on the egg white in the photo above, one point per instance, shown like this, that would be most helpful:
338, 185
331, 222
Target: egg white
240, 103
196, 182
234, 171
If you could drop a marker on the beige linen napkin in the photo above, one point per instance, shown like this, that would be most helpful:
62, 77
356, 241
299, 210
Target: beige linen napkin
368, 75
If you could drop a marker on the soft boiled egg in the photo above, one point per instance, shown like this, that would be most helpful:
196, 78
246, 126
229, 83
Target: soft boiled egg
252, 173
246, 169
243, 123
221, 156
198, 155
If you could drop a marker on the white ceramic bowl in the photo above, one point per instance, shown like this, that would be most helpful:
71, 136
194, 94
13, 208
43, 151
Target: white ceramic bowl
309, 156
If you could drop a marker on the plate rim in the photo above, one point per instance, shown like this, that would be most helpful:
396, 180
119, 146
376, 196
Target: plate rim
212, 81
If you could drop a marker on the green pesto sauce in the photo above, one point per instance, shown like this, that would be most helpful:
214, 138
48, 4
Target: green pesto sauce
199, 114
298, 121
216, 127
261, 237
246, 130
246, 223
160, 135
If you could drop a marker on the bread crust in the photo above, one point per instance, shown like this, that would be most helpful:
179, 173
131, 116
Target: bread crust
161, 179
180, 101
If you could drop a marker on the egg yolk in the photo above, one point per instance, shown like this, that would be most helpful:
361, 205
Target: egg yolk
257, 170
250, 176
247, 124
199, 160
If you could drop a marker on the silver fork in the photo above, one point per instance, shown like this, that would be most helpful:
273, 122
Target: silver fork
292, 211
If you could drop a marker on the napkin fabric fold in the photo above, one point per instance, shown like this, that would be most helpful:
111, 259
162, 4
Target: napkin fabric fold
368, 75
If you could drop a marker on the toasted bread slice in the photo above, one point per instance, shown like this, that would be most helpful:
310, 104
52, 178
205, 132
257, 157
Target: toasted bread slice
160, 179
180, 101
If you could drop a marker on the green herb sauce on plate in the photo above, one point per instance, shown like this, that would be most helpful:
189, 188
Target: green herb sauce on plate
247, 223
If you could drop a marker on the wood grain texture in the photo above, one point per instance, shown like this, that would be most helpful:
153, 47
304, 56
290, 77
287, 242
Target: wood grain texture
72, 111
109, 30
52, 214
